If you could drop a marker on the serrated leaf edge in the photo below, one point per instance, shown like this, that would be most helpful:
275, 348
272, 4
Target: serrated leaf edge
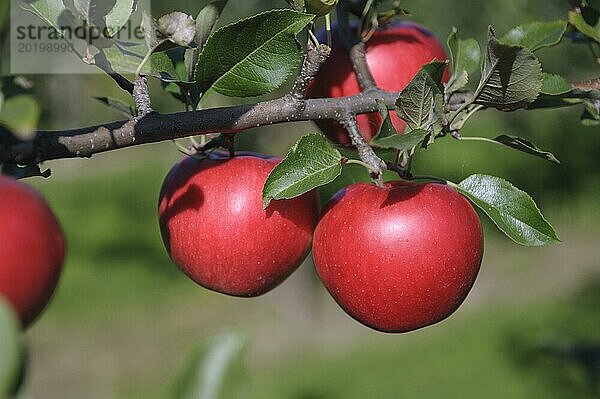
467, 194
239, 22
484, 82
266, 198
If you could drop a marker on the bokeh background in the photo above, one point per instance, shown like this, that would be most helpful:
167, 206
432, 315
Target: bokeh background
124, 322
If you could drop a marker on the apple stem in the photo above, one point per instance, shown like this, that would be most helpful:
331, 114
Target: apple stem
402, 172
365, 152
361, 163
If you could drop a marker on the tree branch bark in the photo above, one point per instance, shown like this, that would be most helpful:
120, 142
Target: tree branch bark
365, 152
314, 58
154, 127
87, 141
592, 84
142, 97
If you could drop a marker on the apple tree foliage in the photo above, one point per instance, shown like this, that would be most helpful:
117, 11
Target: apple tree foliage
193, 57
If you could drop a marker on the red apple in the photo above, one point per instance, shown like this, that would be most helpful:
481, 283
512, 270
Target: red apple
32, 249
216, 232
400, 257
395, 54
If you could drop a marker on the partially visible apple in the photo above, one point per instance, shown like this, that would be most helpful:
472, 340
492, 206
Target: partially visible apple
401, 257
32, 249
395, 53
215, 230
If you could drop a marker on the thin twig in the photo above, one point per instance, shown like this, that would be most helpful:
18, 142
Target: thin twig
402, 172
365, 152
592, 84
315, 57
142, 97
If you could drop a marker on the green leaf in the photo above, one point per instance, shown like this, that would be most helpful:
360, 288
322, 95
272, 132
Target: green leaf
406, 142
526, 146
435, 70
83, 7
207, 20
11, 352
119, 15
88, 9
466, 57
387, 127
118, 105
511, 76
578, 21
212, 368
20, 115
388, 136
297, 5
511, 209
253, 56
127, 60
554, 84
421, 102
310, 163
94, 12
48, 10
535, 35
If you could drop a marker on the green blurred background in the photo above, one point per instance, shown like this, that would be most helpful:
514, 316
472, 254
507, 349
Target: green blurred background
124, 321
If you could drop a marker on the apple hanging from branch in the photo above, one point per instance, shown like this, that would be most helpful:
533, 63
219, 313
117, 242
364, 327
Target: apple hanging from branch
394, 53
401, 257
215, 229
